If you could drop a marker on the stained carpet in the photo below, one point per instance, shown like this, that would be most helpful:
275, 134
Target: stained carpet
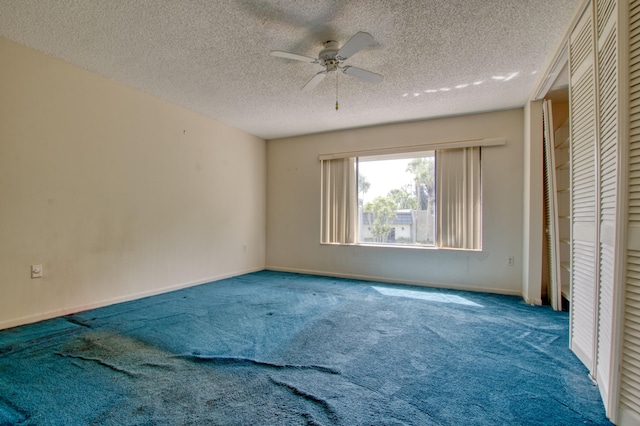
275, 348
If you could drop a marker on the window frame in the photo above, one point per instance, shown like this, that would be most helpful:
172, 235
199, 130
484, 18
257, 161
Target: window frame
409, 149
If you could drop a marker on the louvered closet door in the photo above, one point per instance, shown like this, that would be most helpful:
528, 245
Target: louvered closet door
583, 191
607, 93
563, 182
629, 399
551, 208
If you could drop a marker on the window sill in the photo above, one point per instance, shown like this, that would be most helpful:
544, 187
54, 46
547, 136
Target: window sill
400, 246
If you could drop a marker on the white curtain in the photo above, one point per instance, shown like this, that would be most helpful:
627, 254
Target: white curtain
458, 198
339, 201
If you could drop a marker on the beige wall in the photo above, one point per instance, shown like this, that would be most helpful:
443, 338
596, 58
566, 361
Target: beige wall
533, 203
293, 207
118, 194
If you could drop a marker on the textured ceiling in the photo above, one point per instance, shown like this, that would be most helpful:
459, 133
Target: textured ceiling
438, 57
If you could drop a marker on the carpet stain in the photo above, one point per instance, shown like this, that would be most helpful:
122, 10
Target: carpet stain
101, 362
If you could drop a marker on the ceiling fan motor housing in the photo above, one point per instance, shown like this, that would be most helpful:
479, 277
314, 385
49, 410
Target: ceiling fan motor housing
328, 56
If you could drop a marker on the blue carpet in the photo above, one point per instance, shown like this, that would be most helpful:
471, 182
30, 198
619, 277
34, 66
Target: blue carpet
286, 349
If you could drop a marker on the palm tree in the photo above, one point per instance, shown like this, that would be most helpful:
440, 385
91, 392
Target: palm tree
423, 170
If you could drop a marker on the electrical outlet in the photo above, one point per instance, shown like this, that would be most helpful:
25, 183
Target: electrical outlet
511, 261
36, 271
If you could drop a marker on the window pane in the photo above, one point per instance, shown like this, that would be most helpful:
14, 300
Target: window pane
396, 199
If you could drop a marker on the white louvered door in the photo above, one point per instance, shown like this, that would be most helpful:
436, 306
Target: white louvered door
551, 208
607, 96
583, 191
563, 195
629, 398
605, 226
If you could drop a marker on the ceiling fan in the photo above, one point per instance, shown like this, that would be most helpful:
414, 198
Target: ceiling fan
332, 58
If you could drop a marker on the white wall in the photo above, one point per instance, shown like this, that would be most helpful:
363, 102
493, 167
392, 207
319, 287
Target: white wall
293, 207
118, 194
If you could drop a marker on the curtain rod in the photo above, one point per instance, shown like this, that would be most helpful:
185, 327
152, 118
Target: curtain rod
415, 148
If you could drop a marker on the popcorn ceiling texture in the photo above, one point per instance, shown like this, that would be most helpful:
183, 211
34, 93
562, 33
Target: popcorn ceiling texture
213, 56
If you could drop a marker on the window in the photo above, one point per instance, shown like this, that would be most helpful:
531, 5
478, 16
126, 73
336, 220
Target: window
396, 199
425, 198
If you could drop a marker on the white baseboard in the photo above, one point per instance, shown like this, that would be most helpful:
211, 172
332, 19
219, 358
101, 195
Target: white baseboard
397, 281
67, 310
528, 301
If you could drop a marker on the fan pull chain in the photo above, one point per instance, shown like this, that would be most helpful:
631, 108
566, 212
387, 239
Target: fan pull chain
337, 105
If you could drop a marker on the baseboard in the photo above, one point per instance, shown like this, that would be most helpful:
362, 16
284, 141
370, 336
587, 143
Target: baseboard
528, 301
397, 281
41, 316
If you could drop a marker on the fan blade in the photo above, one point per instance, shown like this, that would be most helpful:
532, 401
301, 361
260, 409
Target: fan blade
355, 44
294, 56
364, 75
315, 80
